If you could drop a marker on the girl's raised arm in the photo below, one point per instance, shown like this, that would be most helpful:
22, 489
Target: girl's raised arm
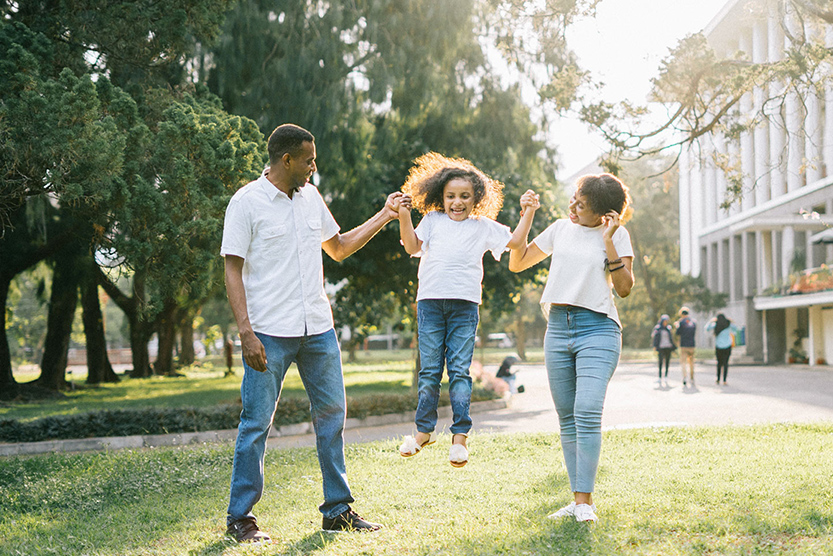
407, 234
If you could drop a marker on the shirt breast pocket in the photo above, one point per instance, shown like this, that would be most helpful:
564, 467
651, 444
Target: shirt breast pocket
273, 232
273, 238
315, 230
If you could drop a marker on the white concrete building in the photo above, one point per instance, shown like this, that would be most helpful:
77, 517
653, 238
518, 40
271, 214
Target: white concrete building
751, 250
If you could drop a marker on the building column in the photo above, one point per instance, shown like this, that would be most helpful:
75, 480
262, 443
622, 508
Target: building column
746, 271
696, 198
814, 135
747, 144
761, 130
794, 117
787, 250
777, 131
709, 170
764, 242
687, 247
733, 150
828, 111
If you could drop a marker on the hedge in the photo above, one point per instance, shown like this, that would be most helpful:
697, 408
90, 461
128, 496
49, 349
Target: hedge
153, 420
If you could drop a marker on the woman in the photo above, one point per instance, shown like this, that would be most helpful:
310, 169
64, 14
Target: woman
724, 332
591, 253
663, 342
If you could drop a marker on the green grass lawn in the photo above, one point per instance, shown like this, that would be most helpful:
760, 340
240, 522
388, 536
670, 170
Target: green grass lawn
702, 491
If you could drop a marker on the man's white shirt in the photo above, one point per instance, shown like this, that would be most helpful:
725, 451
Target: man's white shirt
280, 241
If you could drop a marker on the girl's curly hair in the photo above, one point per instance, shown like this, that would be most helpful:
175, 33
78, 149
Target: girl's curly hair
429, 174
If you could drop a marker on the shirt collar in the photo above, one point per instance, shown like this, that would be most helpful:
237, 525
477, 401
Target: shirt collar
269, 187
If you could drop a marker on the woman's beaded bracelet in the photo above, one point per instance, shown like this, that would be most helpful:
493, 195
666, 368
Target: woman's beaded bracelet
615, 269
608, 263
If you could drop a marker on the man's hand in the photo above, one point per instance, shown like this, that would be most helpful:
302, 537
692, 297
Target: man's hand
253, 351
391, 210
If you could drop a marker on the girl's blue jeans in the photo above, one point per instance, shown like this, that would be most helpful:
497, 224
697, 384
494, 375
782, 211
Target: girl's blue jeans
581, 351
319, 363
447, 328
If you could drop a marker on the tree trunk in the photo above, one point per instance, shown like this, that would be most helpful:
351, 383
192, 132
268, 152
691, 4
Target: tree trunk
140, 331
98, 364
62, 304
186, 334
647, 277
8, 385
520, 335
167, 339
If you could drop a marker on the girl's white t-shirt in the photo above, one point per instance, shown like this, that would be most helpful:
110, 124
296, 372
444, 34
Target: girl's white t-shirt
577, 272
451, 265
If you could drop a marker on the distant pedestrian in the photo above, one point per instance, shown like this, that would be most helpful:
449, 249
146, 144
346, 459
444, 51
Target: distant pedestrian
459, 204
663, 341
685, 328
724, 336
505, 373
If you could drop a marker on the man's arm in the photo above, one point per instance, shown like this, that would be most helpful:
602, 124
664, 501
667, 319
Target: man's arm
253, 351
341, 246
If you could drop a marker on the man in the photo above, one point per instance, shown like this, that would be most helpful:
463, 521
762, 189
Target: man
275, 228
685, 329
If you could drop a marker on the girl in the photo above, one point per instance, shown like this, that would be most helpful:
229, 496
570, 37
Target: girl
459, 203
664, 344
724, 332
590, 254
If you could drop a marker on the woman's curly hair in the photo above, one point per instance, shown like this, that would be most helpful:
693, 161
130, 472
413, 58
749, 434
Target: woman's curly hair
429, 174
606, 192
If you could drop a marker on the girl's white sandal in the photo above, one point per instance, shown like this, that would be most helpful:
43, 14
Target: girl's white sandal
458, 456
410, 447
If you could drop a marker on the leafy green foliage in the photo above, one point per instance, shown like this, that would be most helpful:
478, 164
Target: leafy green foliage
703, 88
660, 287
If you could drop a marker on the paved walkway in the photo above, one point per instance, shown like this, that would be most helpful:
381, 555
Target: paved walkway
636, 399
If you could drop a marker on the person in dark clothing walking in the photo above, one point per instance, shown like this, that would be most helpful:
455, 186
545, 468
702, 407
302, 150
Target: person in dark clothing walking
663, 344
724, 334
686, 328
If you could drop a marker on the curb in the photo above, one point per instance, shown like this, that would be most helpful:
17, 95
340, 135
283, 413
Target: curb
192, 438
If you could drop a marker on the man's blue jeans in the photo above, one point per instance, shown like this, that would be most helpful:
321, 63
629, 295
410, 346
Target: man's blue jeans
446, 336
581, 351
319, 363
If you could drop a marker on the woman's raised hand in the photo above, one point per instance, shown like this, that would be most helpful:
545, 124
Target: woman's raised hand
611, 222
530, 200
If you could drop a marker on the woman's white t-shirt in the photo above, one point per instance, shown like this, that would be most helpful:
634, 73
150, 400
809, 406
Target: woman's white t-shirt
577, 272
451, 265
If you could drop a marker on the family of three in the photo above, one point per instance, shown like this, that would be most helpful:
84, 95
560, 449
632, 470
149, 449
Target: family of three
275, 229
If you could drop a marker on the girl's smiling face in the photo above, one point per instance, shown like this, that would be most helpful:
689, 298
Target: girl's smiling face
458, 199
581, 214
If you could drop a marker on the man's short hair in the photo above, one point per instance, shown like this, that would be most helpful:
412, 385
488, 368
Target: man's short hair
287, 138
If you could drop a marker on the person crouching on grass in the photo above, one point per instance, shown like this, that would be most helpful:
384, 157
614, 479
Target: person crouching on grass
591, 255
459, 204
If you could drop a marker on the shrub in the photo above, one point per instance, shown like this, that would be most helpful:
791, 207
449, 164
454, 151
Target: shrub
153, 420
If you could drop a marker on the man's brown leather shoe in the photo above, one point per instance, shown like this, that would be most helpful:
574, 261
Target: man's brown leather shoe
246, 530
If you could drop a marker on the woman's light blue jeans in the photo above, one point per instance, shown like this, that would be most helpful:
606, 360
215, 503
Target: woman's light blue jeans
319, 363
447, 328
581, 351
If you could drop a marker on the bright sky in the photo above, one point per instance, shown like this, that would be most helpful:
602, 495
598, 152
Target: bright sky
623, 47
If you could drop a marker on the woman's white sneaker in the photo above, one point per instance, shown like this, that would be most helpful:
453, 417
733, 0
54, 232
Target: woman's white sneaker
569, 511
585, 512
566, 511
